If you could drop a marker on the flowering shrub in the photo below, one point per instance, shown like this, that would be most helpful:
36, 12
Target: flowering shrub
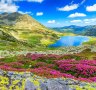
44, 56
14, 64
42, 64
88, 62
50, 73
92, 79
85, 70
52, 66
8, 68
35, 56
25, 61
2, 63
82, 68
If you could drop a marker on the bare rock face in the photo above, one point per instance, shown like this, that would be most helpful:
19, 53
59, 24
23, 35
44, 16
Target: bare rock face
9, 19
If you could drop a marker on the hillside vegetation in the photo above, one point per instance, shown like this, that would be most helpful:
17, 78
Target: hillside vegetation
25, 30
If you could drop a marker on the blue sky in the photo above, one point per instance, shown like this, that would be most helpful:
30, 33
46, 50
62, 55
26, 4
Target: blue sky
54, 13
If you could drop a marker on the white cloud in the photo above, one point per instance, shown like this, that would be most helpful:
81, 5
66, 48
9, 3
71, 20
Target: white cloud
69, 7
51, 21
39, 1
26, 12
76, 21
91, 8
91, 20
87, 22
8, 6
77, 15
39, 13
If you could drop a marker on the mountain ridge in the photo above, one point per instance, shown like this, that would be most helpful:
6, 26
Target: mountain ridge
79, 30
26, 29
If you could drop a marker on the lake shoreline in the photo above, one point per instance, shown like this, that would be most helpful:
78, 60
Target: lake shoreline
64, 50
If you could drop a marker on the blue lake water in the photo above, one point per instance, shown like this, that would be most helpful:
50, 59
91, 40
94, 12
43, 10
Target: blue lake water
70, 41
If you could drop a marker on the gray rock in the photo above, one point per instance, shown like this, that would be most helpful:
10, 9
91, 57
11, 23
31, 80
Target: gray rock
1, 72
68, 82
54, 85
29, 85
43, 86
82, 84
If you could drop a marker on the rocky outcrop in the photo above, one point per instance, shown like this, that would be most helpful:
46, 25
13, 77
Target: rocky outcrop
27, 81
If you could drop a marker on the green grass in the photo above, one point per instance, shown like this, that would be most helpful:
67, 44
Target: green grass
87, 54
10, 59
35, 40
92, 41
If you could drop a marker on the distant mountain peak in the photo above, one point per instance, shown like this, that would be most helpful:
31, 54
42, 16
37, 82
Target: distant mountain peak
19, 21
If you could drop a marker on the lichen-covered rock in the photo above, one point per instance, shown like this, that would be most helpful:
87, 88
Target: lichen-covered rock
10, 80
29, 85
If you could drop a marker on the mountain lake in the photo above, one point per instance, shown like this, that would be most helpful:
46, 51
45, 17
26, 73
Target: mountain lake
70, 41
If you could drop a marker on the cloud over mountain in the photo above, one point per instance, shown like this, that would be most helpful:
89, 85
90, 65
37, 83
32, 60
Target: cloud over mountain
8, 6
75, 21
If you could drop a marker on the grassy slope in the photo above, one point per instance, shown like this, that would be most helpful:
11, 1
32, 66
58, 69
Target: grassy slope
92, 41
8, 42
31, 35
28, 31
38, 40
87, 55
